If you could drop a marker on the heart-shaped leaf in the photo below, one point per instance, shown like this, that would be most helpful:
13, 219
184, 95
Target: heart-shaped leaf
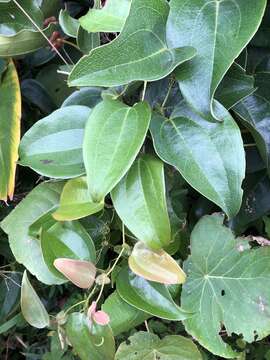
150, 297
187, 141
53, 145
33, 310
10, 116
75, 201
148, 346
225, 286
155, 265
146, 57
219, 31
108, 148
139, 200
111, 18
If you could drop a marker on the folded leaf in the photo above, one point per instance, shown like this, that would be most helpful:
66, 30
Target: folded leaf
225, 286
53, 145
113, 136
210, 156
139, 200
10, 116
69, 25
219, 31
33, 310
75, 202
138, 53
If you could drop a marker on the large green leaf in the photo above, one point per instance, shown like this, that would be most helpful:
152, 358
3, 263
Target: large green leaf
150, 297
139, 200
75, 201
26, 248
113, 137
90, 339
66, 240
111, 18
123, 317
210, 156
138, 53
33, 310
148, 346
53, 145
69, 25
225, 286
10, 116
219, 30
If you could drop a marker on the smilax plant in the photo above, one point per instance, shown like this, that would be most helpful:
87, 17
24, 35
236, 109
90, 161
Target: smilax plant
134, 179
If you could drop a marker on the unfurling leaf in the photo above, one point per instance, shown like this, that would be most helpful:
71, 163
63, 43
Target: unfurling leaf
33, 310
155, 265
99, 317
79, 272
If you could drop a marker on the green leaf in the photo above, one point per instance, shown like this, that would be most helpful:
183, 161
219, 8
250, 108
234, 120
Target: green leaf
113, 137
32, 308
66, 240
219, 31
69, 25
53, 145
188, 141
75, 202
144, 345
150, 297
89, 338
41, 200
87, 41
111, 18
10, 125
139, 200
87, 96
16, 320
138, 53
225, 286
123, 317
9, 294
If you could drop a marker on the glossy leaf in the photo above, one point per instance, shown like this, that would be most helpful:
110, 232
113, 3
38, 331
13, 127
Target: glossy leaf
53, 146
188, 141
111, 18
75, 201
69, 25
66, 240
113, 136
139, 200
123, 317
41, 200
219, 30
80, 273
150, 297
225, 286
146, 57
155, 265
148, 346
10, 117
87, 96
32, 308
89, 338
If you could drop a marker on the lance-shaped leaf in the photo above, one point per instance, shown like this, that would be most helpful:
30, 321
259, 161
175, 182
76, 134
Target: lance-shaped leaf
33, 310
139, 200
66, 240
10, 116
219, 30
41, 200
148, 346
75, 202
113, 137
111, 18
210, 156
155, 265
80, 273
89, 338
69, 25
53, 145
225, 286
138, 53
150, 297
